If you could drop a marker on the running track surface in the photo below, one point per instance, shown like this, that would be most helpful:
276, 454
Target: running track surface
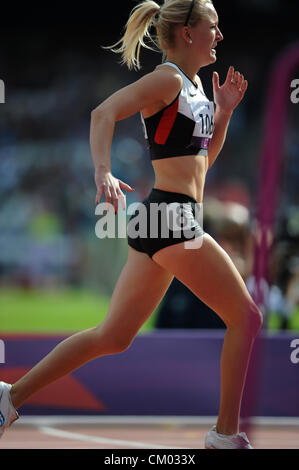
121, 436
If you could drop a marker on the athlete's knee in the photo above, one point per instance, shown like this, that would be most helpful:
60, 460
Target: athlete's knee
110, 342
253, 319
260, 319
119, 344
247, 318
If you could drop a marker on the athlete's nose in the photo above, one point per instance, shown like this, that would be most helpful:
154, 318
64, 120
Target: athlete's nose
219, 36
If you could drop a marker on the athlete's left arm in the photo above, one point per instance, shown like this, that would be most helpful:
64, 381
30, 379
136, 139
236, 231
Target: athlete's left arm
226, 97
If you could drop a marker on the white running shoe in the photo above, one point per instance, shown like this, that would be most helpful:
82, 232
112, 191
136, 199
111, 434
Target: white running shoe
214, 440
8, 414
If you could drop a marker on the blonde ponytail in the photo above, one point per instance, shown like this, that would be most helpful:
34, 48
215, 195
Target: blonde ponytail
147, 14
137, 28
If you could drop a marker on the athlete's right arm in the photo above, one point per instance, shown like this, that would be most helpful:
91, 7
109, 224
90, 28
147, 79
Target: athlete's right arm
158, 87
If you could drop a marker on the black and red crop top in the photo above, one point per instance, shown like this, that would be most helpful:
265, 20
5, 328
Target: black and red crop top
184, 127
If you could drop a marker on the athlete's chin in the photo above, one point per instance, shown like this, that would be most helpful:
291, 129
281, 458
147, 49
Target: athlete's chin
210, 60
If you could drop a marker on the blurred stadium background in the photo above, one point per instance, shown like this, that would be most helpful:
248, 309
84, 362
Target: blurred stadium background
56, 276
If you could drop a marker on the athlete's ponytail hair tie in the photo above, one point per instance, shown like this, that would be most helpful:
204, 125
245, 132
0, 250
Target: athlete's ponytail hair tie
157, 15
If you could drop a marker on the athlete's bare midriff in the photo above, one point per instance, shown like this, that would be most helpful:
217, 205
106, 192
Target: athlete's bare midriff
184, 175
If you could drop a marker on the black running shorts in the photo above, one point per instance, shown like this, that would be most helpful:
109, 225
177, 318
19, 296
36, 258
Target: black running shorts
163, 219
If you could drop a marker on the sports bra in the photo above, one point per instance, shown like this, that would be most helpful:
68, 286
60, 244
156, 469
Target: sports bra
184, 127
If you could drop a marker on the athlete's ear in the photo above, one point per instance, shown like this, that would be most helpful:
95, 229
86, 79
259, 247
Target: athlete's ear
186, 35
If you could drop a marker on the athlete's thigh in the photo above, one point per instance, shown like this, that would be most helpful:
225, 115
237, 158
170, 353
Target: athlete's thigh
138, 291
211, 275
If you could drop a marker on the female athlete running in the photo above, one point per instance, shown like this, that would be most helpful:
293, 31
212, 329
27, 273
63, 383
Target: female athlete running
185, 133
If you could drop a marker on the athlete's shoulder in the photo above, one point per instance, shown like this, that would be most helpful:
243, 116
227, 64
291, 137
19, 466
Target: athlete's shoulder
168, 72
166, 77
162, 82
161, 86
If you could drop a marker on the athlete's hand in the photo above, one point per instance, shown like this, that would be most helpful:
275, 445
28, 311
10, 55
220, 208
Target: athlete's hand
228, 96
112, 187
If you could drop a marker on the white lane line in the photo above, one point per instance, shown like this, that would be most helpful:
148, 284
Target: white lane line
100, 440
156, 420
